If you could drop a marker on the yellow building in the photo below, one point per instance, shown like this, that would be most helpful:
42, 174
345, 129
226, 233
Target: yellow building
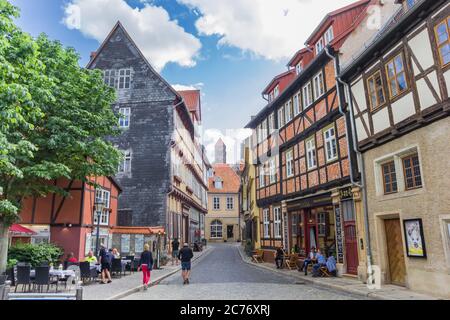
222, 221
249, 208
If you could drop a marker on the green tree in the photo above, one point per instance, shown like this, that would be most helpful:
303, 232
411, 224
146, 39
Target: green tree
55, 118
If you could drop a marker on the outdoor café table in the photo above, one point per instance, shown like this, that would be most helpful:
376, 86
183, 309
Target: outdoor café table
61, 274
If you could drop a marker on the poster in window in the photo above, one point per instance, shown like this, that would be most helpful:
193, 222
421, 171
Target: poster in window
139, 243
88, 244
125, 243
415, 243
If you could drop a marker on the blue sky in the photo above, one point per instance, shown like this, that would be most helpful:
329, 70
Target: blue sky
230, 49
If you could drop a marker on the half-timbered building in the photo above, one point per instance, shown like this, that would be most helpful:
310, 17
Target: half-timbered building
398, 90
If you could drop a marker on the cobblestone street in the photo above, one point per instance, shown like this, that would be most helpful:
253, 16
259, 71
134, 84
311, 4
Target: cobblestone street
222, 274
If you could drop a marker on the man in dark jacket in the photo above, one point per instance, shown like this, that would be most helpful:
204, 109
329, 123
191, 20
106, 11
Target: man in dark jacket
185, 255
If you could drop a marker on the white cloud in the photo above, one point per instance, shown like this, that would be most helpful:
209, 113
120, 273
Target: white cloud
232, 139
160, 39
181, 87
274, 29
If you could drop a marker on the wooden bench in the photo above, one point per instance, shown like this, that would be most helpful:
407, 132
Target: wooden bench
257, 256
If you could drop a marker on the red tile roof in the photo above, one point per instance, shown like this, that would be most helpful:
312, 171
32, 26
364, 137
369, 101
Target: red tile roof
231, 181
192, 101
284, 79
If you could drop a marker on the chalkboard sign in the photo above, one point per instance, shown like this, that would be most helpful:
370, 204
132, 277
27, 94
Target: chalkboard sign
339, 239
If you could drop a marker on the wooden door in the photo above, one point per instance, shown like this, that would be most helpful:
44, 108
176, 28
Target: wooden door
351, 247
396, 258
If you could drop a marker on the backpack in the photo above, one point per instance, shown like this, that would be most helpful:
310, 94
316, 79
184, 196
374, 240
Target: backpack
107, 257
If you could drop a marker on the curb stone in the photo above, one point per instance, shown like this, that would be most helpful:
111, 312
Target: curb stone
156, 281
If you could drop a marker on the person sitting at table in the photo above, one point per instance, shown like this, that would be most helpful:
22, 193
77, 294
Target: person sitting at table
310, 259
331, 265
70, 259
279, 255
91, 258
321, 262
115, 253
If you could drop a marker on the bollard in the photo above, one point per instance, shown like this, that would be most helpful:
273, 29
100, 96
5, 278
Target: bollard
79, 293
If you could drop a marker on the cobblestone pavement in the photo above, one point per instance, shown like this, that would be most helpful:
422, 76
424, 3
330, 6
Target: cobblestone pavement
223, 275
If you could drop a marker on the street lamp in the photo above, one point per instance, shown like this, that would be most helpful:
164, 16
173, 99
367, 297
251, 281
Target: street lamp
99, 206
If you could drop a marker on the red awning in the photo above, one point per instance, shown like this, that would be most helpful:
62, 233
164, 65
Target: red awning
17, 228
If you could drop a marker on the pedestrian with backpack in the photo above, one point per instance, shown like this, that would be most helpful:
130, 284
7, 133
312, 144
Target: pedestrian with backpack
185, 255
146, 265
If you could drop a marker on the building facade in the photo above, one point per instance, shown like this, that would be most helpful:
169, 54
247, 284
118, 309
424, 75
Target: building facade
222, 221
400, 105
163, 171
220, 152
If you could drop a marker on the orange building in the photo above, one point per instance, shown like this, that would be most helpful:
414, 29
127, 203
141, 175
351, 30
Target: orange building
71, 222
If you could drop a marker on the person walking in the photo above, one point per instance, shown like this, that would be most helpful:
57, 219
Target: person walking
175, 251
146, 265
105, 262
185, 255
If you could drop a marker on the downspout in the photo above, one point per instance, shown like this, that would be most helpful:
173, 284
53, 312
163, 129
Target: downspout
360, 159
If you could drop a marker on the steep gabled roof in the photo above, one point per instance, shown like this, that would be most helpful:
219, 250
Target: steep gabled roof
192, 101
301, 54
283, 79
230, 179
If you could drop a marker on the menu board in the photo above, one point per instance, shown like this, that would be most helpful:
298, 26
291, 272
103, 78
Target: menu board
285, 231
139, 243
125, 243
339, 238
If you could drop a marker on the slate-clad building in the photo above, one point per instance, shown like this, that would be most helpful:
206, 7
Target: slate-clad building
153, 117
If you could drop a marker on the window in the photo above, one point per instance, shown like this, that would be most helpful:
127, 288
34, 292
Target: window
271, 96
319, 88
276, 91
442, 32
298, 68
288, 111
264, 129
410, 3
216, 229
266, 222
216, 203
289, 163
277, 222
389, 177
307, 95
330, 144
329, 35
272, 171
280, 117
396, 76
102, 196
125, 164
109, 76
322, 224
218, 183
311, 153
230, 203
411, 170
261, 176
271, 123
376, 91
297, 104
124, 78
124, 120
319, 46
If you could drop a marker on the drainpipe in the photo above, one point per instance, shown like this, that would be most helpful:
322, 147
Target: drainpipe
360, 159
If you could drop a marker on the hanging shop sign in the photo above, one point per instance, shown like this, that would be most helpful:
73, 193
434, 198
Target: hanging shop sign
346, 193
339, 237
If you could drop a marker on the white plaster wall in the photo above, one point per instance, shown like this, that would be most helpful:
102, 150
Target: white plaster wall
380, 120
426, 98
403, 108
421, 47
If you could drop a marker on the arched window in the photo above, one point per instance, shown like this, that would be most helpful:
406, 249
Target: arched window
216, 229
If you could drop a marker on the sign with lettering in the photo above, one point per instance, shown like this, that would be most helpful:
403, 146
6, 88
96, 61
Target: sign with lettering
339, 238
285, 232
346, 193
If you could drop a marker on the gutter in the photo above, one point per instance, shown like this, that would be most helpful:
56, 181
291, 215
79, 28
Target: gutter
360, 159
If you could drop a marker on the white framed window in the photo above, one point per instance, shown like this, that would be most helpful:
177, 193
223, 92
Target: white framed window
261, 176
288, 111
319, 46
216, 203
311, 153
102, 196
322, 224
218, 183
259, 133
266, 223
272, 171
280, 117
125, 164
276, 92
290, 163
124, 120
271, 122
298, 68
319, 87
109, 76
264, 129
124, 79
230, 203
297, 104
330, 144
329, 35
307, 95
216, 229
277, 222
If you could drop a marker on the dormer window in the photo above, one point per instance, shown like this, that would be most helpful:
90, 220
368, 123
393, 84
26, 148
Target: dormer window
319, 46
329, 35
218, 183
298, 68
276, 91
